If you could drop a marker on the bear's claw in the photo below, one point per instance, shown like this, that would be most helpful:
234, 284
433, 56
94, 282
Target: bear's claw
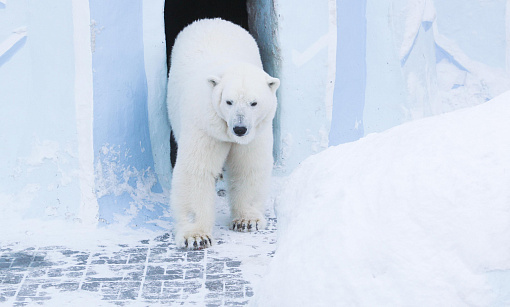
198, 242
245, 225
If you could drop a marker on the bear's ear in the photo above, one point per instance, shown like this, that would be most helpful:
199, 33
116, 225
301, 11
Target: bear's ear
273, 83
213, 80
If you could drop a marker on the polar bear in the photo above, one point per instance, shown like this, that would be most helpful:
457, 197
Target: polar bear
221, 105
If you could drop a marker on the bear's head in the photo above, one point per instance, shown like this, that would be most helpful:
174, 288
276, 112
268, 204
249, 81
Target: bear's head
245, 98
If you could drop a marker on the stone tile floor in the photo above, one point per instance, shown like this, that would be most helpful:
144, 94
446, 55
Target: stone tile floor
151, 272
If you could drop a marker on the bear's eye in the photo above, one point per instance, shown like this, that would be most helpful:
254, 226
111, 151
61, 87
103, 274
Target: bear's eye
253, 104
229, 102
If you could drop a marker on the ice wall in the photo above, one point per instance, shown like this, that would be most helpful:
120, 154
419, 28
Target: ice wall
307, 49
41, 119
477, 27
156, 72
426, 57
127, 187
351, 70
74, 113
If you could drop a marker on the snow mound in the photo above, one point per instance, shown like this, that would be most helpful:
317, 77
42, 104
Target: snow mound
416, 216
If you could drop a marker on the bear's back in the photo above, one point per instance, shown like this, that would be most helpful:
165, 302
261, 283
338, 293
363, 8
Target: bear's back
214, 42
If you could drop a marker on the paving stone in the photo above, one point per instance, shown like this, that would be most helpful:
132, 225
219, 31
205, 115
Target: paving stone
155, 270
152, 289
22, 260
12, 278
28, 290
91, 286
37, 273
76, 268
117, 260
194, 273
233, 287
153, 284
81, 259
192, 289
171, 289
163, 277
5, 265
236, 294
234, 270
217, 276
179, 272
68, 286
73, 274
68, 252
176, 259
193, 256
141, 258
129, 294
158, 251
215, 267
216, 286
55, 272
106, 279
233, 264
135, 276
110, 288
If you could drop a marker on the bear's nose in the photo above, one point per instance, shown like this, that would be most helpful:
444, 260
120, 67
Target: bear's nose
240, 130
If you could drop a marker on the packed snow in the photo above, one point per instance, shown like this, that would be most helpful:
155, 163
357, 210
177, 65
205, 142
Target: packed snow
418, 215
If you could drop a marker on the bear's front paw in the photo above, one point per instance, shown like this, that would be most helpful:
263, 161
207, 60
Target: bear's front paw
244, 225
194, 241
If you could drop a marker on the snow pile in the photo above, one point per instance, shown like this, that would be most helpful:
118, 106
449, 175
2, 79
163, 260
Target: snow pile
416, 216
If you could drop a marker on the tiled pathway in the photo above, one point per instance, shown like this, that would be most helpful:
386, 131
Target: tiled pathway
151, 272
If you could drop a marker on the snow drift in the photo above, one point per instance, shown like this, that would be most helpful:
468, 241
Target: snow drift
416, 216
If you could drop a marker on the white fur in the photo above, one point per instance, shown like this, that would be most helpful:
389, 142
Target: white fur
214, 62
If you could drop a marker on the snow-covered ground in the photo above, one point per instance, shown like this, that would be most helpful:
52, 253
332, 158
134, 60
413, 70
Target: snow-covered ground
418, 215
